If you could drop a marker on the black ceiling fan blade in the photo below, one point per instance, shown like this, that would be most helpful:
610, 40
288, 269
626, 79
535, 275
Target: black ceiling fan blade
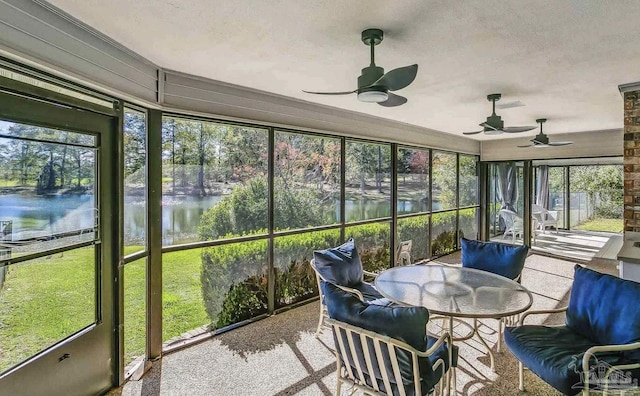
528, 145
330, 93
518, 129
393, 100
472, 133
398, 78
565, 143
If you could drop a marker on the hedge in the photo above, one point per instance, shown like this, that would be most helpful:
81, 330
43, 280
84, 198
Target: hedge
235, 276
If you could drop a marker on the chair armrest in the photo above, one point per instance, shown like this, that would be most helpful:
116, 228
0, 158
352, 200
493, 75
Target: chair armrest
541, 311
607, 348
370, 274
444, 337
350, 290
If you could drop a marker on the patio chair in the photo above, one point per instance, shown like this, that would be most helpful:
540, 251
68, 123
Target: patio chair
599, 346
497, 258
545, 218
513, 224
403, 253
385, 350
341, 266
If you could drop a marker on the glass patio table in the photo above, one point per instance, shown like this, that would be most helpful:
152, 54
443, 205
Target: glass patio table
455, 292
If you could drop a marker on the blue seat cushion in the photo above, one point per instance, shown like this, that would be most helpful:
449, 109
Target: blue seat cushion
497, 258
340, 265
604, 309
407, 324
555, 354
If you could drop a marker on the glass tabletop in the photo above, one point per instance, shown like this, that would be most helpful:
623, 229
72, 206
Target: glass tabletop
454, 291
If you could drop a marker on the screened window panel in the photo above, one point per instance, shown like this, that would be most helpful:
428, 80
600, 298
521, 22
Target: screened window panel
368, 181
214, 180
413, 181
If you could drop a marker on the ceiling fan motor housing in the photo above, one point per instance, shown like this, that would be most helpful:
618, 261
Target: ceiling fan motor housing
370, 74
541, 138
496, 122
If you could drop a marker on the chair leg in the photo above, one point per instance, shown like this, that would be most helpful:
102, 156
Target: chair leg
339, 385
521, 376
500, 329
320, 321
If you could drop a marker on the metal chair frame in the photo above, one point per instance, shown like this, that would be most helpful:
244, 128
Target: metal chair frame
357, 339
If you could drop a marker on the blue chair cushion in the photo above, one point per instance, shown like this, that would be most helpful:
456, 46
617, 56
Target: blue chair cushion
603, 308
555, 354
340, 265
407, 324
498, 258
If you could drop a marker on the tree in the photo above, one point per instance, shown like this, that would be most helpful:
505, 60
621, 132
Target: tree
244, 211
468, 188
444, 175
135, 145
365, 161
603, 185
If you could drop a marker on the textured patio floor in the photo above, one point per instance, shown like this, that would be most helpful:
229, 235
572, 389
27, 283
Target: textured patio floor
281, 356
574, 244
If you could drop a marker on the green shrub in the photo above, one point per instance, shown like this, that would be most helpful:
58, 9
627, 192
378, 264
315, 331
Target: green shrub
234, 281
295, 279
443, 227
415, 229
372, 241
467, 223
245, 300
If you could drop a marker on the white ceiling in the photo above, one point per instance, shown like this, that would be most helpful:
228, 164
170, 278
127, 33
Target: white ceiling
563, 59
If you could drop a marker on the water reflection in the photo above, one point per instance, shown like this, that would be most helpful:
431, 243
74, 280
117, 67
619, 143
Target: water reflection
180, 214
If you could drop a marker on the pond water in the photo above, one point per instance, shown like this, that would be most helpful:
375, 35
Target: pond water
44, 215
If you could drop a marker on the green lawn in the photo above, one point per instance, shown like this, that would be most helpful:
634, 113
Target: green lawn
601, 224
43, 301
46, 300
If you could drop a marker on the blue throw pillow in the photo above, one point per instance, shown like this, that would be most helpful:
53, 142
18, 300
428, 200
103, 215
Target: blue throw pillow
497, 258
604, 308
340, 265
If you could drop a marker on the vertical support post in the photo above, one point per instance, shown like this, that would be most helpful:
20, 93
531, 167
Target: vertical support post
458, 246
271, 273
430, 203
394, 204
485, 213
154, 235
526, 200
631, 191
567, 198
117, 199
343, 189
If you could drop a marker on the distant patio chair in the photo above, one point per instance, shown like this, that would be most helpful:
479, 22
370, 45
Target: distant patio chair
545, 218
514, 225
403, 253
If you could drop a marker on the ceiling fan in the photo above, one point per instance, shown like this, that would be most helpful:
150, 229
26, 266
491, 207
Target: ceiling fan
541, 140
494, 124
373, 84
